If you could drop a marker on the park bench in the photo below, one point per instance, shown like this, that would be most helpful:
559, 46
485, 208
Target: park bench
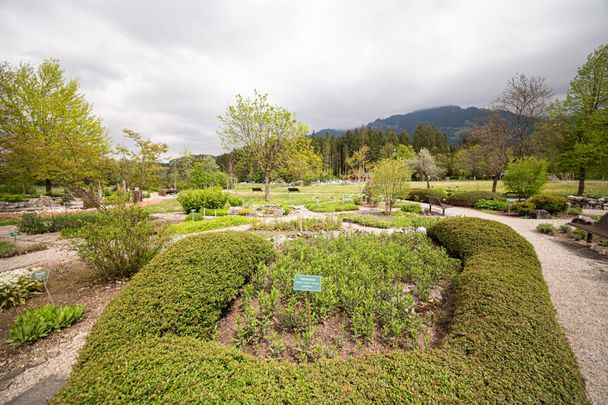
437, 202
599, 228
293, 189
256, 188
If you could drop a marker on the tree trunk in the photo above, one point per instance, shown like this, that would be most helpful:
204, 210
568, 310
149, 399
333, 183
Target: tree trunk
581, 180
388, 205
495, 182
49, 186
266, 186
428, 182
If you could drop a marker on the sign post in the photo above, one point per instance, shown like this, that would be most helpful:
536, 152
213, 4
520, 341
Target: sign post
42, 275
14, 235
308, 283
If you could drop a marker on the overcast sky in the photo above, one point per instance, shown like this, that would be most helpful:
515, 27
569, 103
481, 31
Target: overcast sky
168, 68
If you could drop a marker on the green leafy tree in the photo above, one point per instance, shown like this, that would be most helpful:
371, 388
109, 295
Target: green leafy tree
526, 177
426, 165
48, 131
580, 121
301, 162
358, 162
140, 167
265, 129
206, 173
390, 179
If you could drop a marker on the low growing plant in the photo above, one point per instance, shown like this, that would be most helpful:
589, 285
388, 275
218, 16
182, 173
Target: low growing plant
492, 205
13, 294
331, 207
39, 322
548, 229
411, 207
554, 204
523, 208
207, 224
308, 224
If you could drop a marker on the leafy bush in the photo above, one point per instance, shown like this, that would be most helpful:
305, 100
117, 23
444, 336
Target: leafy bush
13, 294
331, 207
504, 343
470, 198
234, 201
523, 208
574, 211
207, 224
419, 194
526, 177
548, 229
197, 199
119, 243
32, 223
308, 224
411, 207
554, 204
39, 322
492, 205
198, 216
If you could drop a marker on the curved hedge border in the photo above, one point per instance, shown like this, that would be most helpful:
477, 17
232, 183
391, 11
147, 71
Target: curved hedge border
470, 198
504, 344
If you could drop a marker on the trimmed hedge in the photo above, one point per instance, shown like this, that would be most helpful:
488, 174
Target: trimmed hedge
504, 344
470, 198
419, 194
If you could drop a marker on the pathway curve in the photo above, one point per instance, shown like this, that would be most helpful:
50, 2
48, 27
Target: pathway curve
578, 285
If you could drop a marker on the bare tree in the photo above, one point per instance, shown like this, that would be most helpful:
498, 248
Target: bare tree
494, 138
528, 99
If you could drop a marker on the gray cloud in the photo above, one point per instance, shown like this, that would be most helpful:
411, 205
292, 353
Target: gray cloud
167, 69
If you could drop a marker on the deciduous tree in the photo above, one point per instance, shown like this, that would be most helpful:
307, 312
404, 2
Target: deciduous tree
390, 178
426, 165
263, 128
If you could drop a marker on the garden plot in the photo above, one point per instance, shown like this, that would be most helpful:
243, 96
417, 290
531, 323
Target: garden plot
378, 293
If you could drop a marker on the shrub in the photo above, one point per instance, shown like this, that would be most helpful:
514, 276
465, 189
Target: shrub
119, 243
235, 201
554, 204
504, 343
526, 177
197, 199
411, 207
331, 207
419, 194
523, 208
574, 211
548, 229
32, 223
39, 322
207, 225
470, 198
198, 216
389, 222
15, 293
492, 205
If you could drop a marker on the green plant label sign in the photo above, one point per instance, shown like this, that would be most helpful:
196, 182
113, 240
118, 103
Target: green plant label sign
305, 282
14, 234
39, 275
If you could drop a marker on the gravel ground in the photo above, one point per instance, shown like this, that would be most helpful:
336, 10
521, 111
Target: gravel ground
578, 285
60, 251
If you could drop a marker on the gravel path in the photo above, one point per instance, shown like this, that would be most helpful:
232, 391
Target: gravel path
578, 285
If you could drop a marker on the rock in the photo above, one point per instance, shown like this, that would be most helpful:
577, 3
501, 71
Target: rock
540, 214
435, 297
582, 219
421, 229
409, 288
278, 239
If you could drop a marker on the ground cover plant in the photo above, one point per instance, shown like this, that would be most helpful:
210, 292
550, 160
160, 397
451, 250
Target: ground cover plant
371, 286
16, 288
307, 224
33, 223
491, 205
8, 249
207, 224
36, 323
4, 221
385, 222
331, 207
410, 207
504, 343
548, 229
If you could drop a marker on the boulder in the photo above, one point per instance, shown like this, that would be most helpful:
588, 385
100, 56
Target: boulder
540, 214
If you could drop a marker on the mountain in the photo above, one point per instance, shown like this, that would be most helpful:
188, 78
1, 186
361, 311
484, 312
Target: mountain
453, 120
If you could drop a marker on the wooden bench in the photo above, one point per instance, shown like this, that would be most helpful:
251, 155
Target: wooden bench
599, 228
293, 189
437, 202
256, 188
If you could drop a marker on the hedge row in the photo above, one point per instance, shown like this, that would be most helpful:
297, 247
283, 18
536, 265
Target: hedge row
153, 343
470, 198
